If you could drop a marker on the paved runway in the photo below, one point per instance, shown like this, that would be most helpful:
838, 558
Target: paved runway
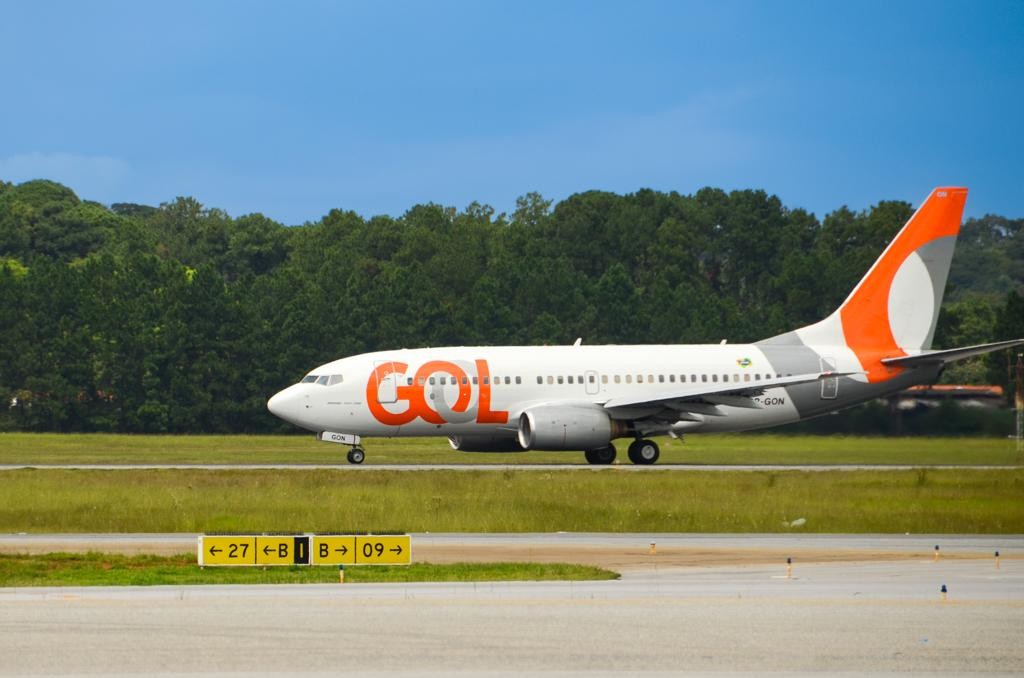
856, 616
496, 467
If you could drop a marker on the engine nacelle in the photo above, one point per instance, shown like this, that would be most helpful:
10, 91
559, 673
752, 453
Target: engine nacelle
567, 427
493, 443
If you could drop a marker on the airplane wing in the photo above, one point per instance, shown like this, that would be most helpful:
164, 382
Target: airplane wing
949, 355
736, 395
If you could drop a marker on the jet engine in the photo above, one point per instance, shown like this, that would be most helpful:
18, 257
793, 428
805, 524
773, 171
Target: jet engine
567, 427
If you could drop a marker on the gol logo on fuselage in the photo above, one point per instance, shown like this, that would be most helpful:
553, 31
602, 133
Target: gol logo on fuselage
423, 397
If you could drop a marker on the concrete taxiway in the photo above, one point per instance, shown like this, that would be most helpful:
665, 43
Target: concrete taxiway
858, 614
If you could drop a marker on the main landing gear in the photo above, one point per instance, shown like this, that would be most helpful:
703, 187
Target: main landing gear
600, 455
356, 455
643, 452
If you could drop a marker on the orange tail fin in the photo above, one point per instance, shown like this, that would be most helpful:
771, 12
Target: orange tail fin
894, 308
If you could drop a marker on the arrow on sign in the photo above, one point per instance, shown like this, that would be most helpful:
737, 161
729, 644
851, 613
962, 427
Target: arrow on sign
397, 550
343, 550
267, 550
214, 550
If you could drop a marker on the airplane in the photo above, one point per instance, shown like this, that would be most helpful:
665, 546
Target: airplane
582, 398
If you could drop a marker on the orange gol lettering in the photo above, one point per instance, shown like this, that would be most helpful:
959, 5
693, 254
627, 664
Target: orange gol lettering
415, 396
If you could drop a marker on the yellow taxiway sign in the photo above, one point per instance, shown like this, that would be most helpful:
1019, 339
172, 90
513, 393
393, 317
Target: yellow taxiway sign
306, 549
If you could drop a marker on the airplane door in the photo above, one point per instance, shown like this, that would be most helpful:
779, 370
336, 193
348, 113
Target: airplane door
387, 386
593, 387
829, 386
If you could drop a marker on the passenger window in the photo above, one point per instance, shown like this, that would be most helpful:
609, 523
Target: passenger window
444, 381
736, 378
757, 377
629, 378
408, 381
579, 379
704, 377
746, 377
639, 378
420, 381
519, 380
604, 378
551, 380
672, 378
590, 379
661, 379
540, 380
570, 379
432, 381
475, 381
693, 378
465, 381
487, 380
561, 380
618, 379
508, 380
714, 378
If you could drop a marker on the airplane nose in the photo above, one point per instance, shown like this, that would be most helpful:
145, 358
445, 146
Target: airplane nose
289, 405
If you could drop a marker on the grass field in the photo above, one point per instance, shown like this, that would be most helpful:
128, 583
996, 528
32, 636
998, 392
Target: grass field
99, 569
916, 501
40, 448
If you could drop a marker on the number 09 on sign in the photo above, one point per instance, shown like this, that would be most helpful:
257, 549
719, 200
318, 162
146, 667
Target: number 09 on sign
379, 550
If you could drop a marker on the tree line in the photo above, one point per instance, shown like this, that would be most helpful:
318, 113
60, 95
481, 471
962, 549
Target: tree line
182, 318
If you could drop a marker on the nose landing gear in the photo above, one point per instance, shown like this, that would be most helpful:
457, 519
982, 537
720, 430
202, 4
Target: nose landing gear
356, 455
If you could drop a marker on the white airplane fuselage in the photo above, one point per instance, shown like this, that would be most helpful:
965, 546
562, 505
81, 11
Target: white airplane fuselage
581, 397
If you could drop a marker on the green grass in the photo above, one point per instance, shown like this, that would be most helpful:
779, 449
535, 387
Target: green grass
47, 448
103, 569
342, 501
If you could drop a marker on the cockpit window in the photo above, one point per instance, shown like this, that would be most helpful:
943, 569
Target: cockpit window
323, 379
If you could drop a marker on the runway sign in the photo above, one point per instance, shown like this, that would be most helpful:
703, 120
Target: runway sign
240, 550
262, 550
391, 550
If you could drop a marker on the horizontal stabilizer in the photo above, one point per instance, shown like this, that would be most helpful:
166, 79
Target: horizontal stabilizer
949, 355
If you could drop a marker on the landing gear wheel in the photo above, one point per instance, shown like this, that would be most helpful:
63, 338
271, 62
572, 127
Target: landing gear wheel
644, 452
356, 455
601, 455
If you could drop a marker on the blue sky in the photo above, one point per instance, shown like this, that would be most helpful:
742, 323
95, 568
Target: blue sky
292, 109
